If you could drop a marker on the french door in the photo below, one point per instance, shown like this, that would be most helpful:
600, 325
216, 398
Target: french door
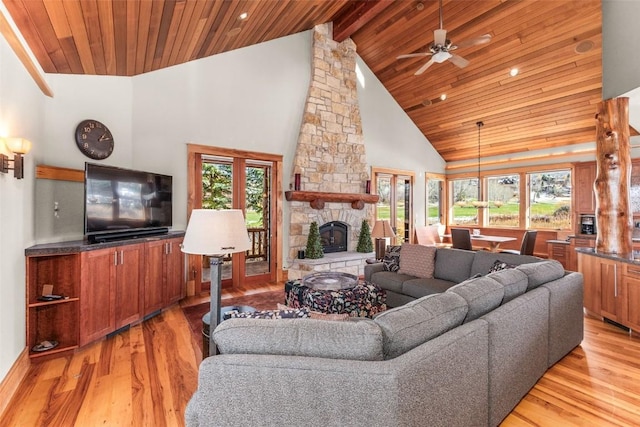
395, 189
230, 179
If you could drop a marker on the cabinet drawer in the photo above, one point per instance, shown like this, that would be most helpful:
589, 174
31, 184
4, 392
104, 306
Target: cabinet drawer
631, 270
584, 243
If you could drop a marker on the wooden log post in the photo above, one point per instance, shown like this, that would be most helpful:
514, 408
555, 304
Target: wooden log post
614, 221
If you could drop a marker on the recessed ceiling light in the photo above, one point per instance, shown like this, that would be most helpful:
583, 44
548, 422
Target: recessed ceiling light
514, 72
243, 16
426, 102
443, 97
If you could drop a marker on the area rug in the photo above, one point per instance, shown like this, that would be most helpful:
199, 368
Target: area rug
261, 301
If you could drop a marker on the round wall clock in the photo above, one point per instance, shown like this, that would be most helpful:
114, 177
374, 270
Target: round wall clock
94, 139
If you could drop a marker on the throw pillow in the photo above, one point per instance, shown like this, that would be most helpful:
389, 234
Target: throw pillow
297, 313
417, 260
318, 315
391, 260
500, 265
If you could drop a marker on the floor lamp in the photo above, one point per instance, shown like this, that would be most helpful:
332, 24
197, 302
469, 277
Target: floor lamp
215, 233
383, 233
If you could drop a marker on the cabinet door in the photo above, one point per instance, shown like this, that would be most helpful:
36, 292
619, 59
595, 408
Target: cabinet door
589, 266
129, 279
585, 197
154, 276
610, 285
558, 251
631, 296
97, 294
174, 262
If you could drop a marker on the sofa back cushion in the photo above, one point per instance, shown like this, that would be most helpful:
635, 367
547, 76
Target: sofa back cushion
484, 260
417, 260
453, 265
514, 281
541, 272
482, 295
355, 340
419, 321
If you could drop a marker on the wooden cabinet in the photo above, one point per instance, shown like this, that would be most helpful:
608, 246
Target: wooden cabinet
53, 321
560, 252
577, 242
585, 199
111, 293
163, 276
103, 289
611, 289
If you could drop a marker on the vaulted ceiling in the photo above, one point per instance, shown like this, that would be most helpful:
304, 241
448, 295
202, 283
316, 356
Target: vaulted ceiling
555, 44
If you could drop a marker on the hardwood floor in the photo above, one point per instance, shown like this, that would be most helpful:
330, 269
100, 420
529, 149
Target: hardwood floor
146, 375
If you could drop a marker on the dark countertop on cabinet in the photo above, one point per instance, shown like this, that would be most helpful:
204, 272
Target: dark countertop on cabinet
562, 242
632, 258
74, 246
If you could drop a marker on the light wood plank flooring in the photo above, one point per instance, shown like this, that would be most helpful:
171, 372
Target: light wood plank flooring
145, 376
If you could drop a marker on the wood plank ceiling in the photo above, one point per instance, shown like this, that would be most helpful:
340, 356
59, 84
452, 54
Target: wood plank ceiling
556, 45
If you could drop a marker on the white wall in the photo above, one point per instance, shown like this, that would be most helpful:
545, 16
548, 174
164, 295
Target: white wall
620, 43
21, 114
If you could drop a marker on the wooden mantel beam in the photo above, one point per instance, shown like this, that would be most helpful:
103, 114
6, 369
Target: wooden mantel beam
354, 16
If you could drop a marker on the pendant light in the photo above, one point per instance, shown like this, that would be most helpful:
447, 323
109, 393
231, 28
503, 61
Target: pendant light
479, 203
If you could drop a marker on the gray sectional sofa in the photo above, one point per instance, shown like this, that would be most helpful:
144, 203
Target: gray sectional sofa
463, 357
452, 266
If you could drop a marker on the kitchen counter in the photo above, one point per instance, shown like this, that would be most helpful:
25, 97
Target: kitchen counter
632, 258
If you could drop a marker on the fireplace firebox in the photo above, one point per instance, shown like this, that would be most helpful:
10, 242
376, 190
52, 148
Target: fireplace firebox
333, 236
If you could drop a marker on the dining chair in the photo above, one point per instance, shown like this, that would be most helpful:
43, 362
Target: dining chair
427, 235
461, 239
527, 246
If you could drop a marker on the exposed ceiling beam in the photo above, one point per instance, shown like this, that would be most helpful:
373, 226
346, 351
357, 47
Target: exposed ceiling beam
356, 16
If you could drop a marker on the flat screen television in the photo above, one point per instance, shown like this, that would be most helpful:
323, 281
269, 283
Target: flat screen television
124, 203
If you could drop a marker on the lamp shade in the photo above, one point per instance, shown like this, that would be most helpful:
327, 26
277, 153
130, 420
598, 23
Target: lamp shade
382, 228
18, 145
216, 232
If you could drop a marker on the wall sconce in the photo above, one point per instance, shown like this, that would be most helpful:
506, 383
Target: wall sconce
19, 147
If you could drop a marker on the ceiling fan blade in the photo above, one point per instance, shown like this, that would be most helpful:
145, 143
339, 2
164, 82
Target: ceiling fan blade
475, 41
439, 37
424, 67
413, 55
458, 61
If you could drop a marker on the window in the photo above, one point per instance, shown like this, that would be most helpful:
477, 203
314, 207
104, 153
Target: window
504, 200
435, 199
395, 202
550, 199
463, 193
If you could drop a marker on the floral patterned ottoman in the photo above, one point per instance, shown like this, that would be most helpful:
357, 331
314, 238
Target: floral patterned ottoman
364, 300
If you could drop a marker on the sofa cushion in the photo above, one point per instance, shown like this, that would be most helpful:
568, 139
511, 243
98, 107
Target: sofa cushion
417, 260
419, 288
482, 295
419, 321
541, 272
391, 260
453, 265
360, 340
514, 282
390, 281
483, 260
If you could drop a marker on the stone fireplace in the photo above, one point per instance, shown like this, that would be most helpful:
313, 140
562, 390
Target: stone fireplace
330, 153
333, 236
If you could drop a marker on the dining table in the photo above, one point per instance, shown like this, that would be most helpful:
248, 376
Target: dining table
493, 242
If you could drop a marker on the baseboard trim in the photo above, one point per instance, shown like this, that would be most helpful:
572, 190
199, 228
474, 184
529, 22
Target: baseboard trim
12, 381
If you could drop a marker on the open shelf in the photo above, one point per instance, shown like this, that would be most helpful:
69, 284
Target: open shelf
317, 199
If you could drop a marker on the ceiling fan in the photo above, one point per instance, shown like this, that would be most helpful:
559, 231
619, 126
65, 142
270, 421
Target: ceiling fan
440, 49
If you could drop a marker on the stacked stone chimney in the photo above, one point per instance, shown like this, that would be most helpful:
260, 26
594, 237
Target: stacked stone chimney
330, 155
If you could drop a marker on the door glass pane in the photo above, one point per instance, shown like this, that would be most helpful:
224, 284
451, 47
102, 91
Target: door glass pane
217, 193
550, 199
504, 200
257, 210
434, 199
403, 203
463, 193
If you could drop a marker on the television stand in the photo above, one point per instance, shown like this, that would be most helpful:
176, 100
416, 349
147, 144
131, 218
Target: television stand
126, 235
